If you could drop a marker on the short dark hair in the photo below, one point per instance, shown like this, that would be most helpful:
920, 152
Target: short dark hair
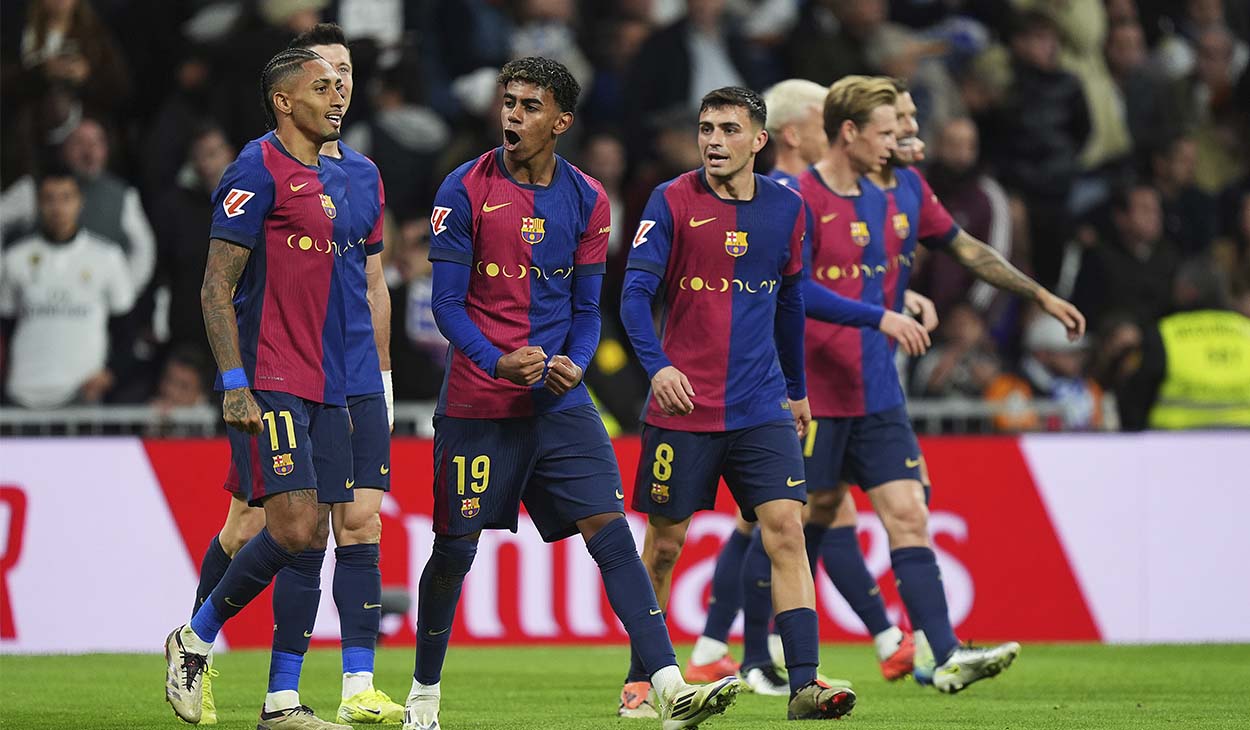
545, 73
1122, 195
56, 170
736, 96
282, 66
321, 34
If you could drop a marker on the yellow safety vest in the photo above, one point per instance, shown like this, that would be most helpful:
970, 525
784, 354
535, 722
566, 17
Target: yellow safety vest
1207, 384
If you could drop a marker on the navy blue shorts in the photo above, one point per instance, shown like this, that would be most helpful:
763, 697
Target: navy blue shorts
865, 450
302, 445
371, 441
679, 471
561, 465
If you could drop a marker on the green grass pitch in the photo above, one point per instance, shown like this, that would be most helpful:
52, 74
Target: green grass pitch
1050, 686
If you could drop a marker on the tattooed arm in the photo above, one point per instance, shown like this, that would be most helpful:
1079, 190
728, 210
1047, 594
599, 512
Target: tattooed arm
989, 266
225, 266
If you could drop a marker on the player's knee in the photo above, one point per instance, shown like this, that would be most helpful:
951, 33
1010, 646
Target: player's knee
664, 554
239, 529
783, 536
907, 524
358, 529
823, 506
294, 536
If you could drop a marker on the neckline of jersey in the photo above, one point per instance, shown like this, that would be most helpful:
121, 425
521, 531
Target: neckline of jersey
702, 174
825, 184
273, 139
555, 174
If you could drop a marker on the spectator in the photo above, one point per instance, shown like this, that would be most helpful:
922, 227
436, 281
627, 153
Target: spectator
1052, 371
182, 221
1037, 155
832, 39
179, 115
185, 381
1192, 371
473, 35
1151, 103
614, 44
418, 349
1179, 53
963, 364
110, 206
1218, 115
1132, 273
546, 28
60, 286
1190, 216
978, 204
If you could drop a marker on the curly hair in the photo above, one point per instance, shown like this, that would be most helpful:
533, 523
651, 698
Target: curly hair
547, 74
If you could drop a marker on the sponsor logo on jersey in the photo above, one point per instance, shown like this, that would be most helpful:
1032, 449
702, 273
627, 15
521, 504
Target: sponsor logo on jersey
640, 237
470, 506
438, 219
859, 233
520, 271
719, 285
283, 464
327, 205
659, 493
902, 226
234, 201
735, 243
532, 230
863, 271
320, 245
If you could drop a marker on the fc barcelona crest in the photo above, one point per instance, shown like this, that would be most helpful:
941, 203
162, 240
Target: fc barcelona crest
470, 507
532, 230
327, 205
735, 243
283, 464
859, 233
901, 225
659, 493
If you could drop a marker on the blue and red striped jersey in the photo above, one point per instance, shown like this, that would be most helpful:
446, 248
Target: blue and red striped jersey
367, 201
525, 245
723, 264
861, 247
784, 178
914, 215
289, 300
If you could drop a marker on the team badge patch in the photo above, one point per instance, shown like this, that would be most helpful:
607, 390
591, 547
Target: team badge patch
327, 205
234, 201
532, 230
901, 225
283, 464
659, 493
470, 507
735, 243
859, 233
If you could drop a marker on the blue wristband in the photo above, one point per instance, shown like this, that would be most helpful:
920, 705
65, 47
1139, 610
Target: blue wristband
234, 378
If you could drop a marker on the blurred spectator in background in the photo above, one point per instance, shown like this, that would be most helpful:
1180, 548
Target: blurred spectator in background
547, 28
1190, 216
182, 220
1151, 103
185, 380
418, 349
603, 158
832, 39
978, 204
1053, 370
179, 115
58, 288
1220, 121
1178, 53
613, 45
1037, 137
465, 44
963, 363
1132, 272
1194, 366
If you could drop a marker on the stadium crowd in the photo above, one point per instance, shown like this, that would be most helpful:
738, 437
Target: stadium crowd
1100, 145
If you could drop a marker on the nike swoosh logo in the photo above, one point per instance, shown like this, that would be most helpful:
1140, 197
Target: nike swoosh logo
911, 463
656, 611
436, 633
384, 470
351, 483
370, 710
488, 208
296, 188
619, 494
232, 603
372, 605
307, 634
763, 584
827, 218
695, 224
792, 482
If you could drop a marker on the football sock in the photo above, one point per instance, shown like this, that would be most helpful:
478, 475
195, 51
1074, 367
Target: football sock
637, 670
631, 595
920, 587
800, 633
212, 567
249, 573
358, 596
813, 538
438, 594
356, 682
296, 595
726, 598
757, 604
707, 651
667, 681
887, 642
844, 562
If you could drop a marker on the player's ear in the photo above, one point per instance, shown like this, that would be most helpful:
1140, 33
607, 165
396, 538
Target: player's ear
848, 131
761, 139
281, 101
563, 122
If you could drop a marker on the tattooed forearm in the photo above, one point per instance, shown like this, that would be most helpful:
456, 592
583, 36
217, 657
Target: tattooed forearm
225, 266
989, 266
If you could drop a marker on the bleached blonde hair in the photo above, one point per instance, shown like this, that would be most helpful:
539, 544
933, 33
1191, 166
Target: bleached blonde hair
789, 100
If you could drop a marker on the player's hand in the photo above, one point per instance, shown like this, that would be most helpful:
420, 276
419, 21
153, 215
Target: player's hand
241, 412
673, 392
523, 366
1068, 315
802, 412
921, 306
909, 333
563, 375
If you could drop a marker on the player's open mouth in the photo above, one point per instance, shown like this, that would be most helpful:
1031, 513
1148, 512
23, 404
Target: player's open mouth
905, 143
511, 139
714, 158
335, 119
